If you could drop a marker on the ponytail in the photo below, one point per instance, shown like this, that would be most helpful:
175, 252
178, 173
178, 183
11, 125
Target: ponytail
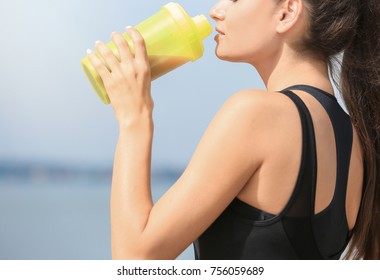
360, 86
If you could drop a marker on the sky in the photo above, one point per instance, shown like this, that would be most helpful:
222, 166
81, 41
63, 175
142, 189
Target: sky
48, 110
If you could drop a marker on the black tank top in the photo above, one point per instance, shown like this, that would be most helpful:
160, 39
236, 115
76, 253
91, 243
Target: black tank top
245, 232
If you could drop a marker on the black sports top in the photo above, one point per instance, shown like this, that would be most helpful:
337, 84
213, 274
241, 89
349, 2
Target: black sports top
245, 232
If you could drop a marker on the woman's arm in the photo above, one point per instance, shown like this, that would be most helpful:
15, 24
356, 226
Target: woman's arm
131, 198
226, 157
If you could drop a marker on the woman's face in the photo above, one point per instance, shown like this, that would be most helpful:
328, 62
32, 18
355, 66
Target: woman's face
246, 29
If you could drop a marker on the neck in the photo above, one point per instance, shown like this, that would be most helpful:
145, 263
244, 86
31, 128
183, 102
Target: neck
290, 68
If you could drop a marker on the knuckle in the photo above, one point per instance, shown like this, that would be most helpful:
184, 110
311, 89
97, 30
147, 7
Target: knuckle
140, 41
145, 69
107, 52
110, 57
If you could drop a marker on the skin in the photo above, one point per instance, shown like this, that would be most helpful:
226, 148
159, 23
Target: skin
239, 154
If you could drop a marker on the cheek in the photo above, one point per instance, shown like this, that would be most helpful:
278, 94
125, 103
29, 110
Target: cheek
247, 40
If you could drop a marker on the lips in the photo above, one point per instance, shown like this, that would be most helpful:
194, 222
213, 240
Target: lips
219, 31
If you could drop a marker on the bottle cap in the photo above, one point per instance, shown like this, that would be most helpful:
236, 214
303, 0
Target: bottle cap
203, 26
193, 30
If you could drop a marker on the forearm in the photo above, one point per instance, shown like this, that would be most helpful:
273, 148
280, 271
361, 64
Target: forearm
131, 198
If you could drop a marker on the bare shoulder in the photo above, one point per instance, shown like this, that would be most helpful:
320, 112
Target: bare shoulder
265, 116
259, 104
248, 98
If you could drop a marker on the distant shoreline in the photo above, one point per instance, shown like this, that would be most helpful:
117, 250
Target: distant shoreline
38, 171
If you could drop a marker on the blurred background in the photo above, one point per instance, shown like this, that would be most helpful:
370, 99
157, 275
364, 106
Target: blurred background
57, 139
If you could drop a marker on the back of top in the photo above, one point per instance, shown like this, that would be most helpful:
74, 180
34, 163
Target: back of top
245, 232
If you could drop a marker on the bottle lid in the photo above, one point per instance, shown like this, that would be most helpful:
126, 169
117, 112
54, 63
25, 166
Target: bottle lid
203, 26
194, 30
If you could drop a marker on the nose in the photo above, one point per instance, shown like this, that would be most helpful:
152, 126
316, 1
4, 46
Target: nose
217, 13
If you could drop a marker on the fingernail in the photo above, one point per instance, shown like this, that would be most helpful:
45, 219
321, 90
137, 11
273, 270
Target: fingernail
97, 42
128, 27
89, 51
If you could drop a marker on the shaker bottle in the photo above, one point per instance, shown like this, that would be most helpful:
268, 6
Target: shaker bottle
172, 38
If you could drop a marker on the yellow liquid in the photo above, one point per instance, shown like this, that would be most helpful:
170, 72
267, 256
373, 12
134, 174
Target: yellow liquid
161, 65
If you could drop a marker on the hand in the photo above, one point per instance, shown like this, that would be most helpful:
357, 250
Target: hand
127, 79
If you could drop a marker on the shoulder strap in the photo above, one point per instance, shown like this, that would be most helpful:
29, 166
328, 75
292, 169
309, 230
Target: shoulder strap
298, 219
336, 212
343, 140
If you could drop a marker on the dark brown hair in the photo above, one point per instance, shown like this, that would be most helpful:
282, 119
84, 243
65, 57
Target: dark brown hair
350, 30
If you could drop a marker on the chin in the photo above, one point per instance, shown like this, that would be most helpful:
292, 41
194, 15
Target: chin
223, 55
227, 57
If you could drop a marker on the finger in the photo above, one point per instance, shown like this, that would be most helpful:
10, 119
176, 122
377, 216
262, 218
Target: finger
98, 65
109, 57
122, 47
139, 45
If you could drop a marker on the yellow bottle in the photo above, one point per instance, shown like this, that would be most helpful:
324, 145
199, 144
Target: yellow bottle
172, 38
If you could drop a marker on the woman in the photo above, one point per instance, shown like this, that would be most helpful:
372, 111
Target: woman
281, 173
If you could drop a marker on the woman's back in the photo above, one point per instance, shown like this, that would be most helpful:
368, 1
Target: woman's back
268, 191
